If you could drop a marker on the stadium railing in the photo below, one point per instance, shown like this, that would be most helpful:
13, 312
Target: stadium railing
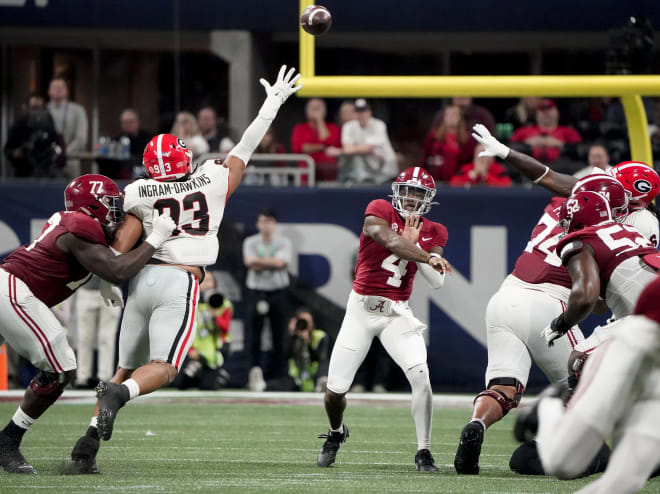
274, 175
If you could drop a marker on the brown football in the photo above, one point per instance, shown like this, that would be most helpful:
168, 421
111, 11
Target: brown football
316, 20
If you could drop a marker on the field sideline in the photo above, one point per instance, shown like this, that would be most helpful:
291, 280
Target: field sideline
248, 442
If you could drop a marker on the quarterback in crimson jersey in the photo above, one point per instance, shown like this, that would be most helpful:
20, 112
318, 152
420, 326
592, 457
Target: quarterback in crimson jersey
618, 396
72, 246
395, 243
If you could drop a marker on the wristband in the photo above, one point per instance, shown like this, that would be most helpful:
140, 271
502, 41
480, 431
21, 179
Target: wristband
432, 255
537, 180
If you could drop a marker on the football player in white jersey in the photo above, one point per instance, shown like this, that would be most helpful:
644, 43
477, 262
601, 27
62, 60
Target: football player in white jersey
159, 320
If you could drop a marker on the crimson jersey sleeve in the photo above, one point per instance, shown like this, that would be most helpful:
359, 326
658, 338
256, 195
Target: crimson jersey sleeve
379, 208
440, 236
85, 227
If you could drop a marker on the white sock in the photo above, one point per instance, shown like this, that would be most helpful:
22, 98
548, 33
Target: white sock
133, 388
93, 422
341, 429
479, 421
22, 419
422, 404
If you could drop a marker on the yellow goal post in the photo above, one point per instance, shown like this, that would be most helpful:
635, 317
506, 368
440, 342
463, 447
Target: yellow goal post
630, 88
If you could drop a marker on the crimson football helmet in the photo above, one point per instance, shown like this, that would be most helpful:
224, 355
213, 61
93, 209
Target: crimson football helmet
96, 196
166, 157
412, 191
608, 187
640, 180
582, 210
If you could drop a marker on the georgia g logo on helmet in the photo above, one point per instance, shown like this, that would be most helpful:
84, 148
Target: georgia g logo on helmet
642, 186
180, 142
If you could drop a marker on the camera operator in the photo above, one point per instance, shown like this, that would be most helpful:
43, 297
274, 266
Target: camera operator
308, 359
32, 143
202, 367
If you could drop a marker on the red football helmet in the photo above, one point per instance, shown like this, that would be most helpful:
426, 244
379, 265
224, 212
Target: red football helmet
608, 187
166, 157
584, 209
640, 180
412, 191
96, 196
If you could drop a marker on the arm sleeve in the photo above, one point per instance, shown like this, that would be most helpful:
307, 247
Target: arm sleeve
82, 226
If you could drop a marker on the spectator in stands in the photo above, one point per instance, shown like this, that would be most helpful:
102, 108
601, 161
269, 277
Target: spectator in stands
472, 114
32, 143
186, 128
203, 366
443, 145
129, 126
270, 145
598, 159
547, 138
318, 138
70, 122
97, 324
267, 256
346, 113
308, 359
523, 113
482, 171
208, 126
367, 154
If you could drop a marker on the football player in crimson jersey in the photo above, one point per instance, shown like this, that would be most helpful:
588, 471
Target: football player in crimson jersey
604, 259
72, 246
535, 292
158, 325
639, 179
395, 243
618, 396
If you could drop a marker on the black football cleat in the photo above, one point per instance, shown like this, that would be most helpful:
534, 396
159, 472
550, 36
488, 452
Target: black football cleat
328, 453
84, 456
466, 461
424, 461
527, 422
11, 458
111, 398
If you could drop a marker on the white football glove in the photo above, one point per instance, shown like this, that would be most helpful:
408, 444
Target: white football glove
492, 145
163, 226
277, 94
550, 335
111, 294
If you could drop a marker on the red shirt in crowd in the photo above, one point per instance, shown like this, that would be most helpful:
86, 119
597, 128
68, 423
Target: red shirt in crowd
306, 133
441, 158
496, 177
542, 153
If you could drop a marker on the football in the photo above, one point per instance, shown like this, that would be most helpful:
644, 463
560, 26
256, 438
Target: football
316, 20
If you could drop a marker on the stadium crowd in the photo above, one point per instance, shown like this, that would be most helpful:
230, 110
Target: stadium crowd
349, 146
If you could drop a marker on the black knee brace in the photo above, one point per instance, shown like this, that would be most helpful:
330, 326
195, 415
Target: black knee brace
50, 384
501, 398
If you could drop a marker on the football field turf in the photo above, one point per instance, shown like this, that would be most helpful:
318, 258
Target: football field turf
213, 442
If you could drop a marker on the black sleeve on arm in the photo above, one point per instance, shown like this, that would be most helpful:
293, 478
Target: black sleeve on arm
101, 261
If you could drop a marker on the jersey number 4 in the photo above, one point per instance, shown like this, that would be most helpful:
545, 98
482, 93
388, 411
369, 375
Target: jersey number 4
195, 202
398, 270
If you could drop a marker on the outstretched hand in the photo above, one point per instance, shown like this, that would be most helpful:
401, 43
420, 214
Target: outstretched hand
284, 86
492, 146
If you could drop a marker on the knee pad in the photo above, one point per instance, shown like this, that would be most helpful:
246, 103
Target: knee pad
418, 376
501, 398
50, 384
338, 385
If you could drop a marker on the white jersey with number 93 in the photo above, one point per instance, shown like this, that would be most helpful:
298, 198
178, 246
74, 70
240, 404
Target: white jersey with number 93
196, 205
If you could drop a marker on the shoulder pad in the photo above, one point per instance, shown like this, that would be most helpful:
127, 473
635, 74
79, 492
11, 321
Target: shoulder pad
85, 227
380, 208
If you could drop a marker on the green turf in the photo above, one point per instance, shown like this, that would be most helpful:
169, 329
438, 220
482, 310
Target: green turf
219, 447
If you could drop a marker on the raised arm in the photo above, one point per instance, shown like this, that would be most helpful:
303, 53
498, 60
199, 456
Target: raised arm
558, 183
276, 95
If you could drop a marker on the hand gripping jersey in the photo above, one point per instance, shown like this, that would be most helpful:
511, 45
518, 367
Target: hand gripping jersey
196, 205
612, 245
539, 262
378, 271
51, 274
